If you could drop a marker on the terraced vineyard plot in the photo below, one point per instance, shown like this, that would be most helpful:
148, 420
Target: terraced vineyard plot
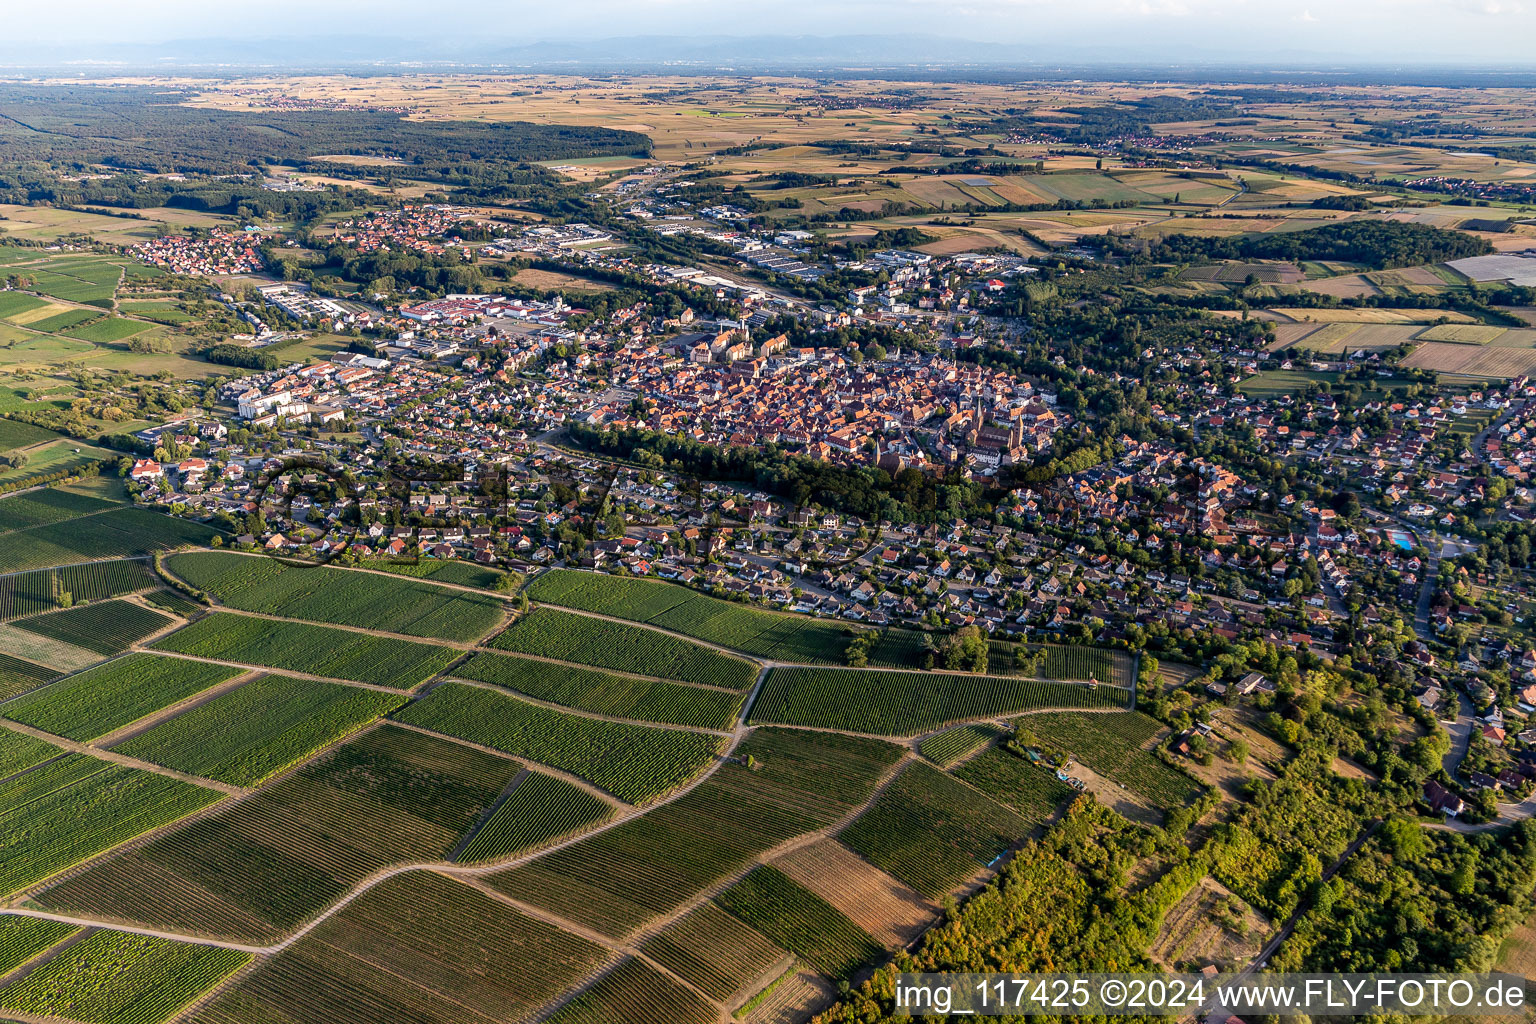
339, 596
904, 703
606, 694
800, 921
740, 627
107, 330
1112, 746
22, 938
106, 698
259, 729
1031, 789
417, 948
269, 862
636, 993
948, 747
12, 303
18, 676
892, 914
714, 951
565, 636
117, 978
451, 570
319, 650
40, 508
931, 832
75, 807
633, 762
114, 534
539, 811
60, 321
107, 628
621, 878
18, 752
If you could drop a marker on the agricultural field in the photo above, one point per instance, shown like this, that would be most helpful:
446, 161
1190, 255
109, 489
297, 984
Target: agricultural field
623, 877
1494, 361
636, 993
338, 596
540, 810
108, 330
774, 635
635, 763
1114, 746
715, 952
565, 636
18, 676
18, 752
451, 570
884, 703
893, 914
256, 730
22, 938
1031, 789
317, 650
16, 434
263, 865
932, 832
117, 533
604, 693
42, 590
107, 628
117, 978
1462, 334
51, 505
798, 920
76, 807
103, 699
420, 945
954, 745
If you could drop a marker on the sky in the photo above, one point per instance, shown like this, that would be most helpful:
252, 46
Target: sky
1153, 31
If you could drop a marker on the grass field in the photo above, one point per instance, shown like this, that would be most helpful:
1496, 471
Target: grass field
633, 762
106, 698
565, 636
740, 627
338, 596
1112, 745
264, 864
76, 806
301, 647
258, 729
604, 693
906, 703
540, 810
932, 832
418, 948
117, 978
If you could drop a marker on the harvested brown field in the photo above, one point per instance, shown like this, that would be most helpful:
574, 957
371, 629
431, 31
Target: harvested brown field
549, 280
1350, 286
1473, 360
1462, 334
894, 914
794, 1000
1371, 316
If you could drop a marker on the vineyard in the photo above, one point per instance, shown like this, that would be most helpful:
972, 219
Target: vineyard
1113, 746
539, 811
636, 993
18, 676
69, 809
18, 752
106, 698
617, 880
317, 650
258, 729
108, 628
948, 747
118, 533
266, 863
587, 641
887, 703
932, 832
451, 570
117, 978
51, 505
31, 593
800, 921
633, 762
22, 938
714, 952
606, 694
338, 596
1031, 789
773, 635
418, 948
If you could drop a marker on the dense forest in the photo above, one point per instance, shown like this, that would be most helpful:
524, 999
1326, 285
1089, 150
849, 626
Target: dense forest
1380, 245
146, 128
